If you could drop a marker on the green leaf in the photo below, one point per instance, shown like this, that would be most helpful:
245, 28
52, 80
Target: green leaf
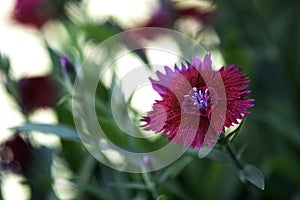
61, 131
38, 175
137, 186
162, 197
254, 176
97, 32
4, 64
142, 55
219, 155
174, 169
95, 191
64, 99
55, 60
176, 189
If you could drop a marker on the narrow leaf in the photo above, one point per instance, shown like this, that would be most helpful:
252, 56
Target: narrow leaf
137, 186
254, 176
94, 190
59, 130
174, 169
162, 197
219, 155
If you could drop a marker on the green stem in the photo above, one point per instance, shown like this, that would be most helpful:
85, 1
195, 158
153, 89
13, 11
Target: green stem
94, 191
233, 155
150, 185
1, 197
238, 164
84, 174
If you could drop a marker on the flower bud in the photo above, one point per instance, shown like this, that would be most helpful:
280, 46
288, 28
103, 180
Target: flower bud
66, 65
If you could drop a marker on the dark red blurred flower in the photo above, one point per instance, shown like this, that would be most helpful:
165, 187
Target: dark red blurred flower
37, 92
163, 16
192, 105
167, 14
15, 153
34, 12
200, 14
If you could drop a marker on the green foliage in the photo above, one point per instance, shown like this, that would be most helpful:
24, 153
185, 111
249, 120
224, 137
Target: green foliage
61, 131
254, 176
4, 64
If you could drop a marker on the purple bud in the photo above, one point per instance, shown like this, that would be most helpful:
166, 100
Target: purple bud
147, 163
66, 65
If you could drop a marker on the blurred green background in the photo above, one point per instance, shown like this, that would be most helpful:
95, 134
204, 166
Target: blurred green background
263, 37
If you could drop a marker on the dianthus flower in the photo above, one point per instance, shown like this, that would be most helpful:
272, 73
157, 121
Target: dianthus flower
198, 102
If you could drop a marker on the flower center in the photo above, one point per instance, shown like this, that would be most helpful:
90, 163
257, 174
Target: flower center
201, 99
197, 102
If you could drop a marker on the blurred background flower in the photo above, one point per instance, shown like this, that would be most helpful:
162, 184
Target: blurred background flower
33, 12
36, 13
167, 13
37, 92
16, 154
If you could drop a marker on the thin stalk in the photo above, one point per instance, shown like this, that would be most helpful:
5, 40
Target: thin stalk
238, 164
150, 185
233, 155
85, 173
1, 196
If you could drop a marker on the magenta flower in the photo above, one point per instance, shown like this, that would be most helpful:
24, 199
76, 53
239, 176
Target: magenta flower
198, 102
37, 92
